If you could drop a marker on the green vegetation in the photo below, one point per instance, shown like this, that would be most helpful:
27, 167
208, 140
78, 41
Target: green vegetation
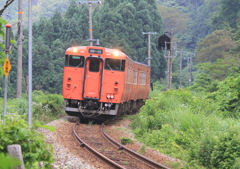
2, 54
192, 126
8, 162
14, 128
45, 107
142, 149
125, 141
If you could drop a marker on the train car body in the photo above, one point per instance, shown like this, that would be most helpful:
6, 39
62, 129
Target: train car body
101, 83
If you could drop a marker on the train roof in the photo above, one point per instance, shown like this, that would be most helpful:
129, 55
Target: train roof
107, 50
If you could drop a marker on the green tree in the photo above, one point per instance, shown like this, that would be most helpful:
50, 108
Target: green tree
2, 54
214, 46
56, 21
228, 15
48, 33
176, 20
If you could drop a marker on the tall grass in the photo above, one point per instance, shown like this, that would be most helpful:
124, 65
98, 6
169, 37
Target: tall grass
45, 107
189, 127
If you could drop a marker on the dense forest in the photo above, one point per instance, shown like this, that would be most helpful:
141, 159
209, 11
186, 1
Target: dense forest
116, 24
201, 27
207, 29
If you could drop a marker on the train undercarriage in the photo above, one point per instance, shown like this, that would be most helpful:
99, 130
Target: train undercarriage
92, 109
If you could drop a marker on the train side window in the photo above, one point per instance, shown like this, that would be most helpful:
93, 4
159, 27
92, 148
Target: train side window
74, 61
94, 65
129, 75
122, 65
135, 75
115, 64
142, 78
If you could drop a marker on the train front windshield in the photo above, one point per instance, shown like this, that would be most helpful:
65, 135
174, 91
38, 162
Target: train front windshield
74, 61
115, 64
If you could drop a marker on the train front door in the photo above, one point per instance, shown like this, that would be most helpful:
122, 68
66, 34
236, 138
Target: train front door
93, 78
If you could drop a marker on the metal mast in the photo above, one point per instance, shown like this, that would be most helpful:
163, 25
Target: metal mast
29, 64
170, 59
180, 70
90, 19
149, 46
189, 69
19, 42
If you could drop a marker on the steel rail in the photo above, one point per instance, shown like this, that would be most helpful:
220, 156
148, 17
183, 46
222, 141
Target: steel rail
132, 153
93, 151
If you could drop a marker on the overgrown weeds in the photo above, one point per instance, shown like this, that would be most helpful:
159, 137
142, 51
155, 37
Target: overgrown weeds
190, 127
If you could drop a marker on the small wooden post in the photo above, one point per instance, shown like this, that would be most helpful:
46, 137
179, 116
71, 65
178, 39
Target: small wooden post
16, 152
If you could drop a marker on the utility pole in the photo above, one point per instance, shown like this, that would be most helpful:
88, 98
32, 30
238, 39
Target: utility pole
180, 71
90, 19
189, 69
29, 64
19, 42
149, 46
170, 59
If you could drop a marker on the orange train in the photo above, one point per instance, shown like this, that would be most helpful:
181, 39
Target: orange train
102, 83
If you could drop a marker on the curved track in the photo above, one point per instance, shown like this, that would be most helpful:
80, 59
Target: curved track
135, 159
93, 151
132, 153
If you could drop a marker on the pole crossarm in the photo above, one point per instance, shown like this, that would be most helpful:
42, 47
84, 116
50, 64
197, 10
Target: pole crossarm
89, 2
149, 33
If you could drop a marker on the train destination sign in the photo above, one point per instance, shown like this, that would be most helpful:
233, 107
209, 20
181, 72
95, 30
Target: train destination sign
7, 67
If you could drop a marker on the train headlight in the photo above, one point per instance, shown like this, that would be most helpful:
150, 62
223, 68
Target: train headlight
75, 50
112, 96
116, 53
108, 96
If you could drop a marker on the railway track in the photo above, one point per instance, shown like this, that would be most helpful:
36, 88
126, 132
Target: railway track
114, 154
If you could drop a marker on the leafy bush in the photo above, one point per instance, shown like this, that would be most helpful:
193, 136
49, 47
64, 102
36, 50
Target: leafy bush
53, 103
45, 107
126, 141
228, 96
14, 130
189, 126
227, 149
7, 162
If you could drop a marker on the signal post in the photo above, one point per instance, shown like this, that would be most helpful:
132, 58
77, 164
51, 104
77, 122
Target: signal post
6, 65
170, 48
